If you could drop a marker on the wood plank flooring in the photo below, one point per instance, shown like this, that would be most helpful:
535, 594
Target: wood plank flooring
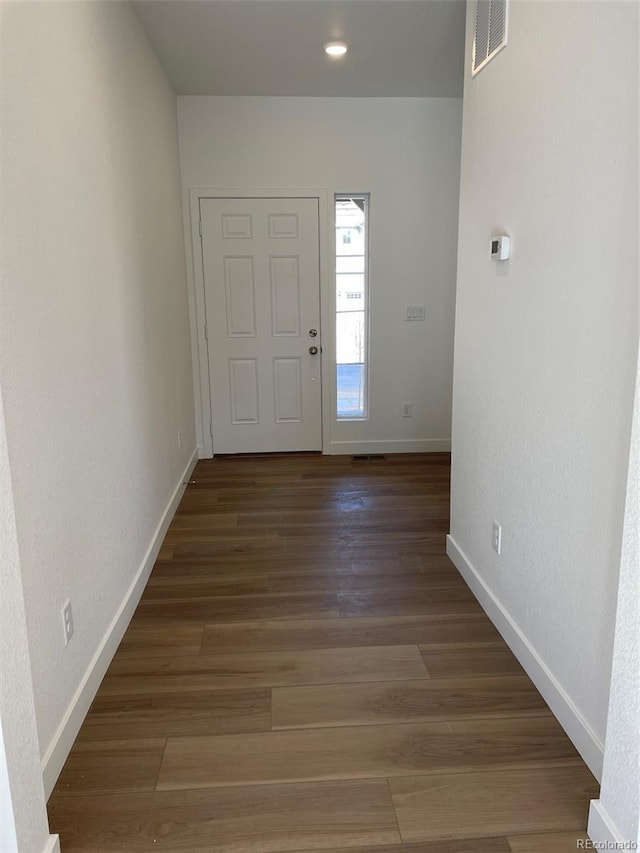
306, 671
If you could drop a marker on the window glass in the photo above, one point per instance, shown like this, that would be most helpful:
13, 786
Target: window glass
351, 306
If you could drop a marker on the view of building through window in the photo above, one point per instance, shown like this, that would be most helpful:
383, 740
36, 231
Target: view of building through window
351, 305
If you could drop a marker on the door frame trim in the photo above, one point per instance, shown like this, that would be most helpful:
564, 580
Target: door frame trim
197, 314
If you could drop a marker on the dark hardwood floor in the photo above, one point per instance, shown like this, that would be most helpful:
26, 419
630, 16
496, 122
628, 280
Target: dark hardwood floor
307, 671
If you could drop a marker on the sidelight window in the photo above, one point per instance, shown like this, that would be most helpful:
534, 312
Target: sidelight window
352, 305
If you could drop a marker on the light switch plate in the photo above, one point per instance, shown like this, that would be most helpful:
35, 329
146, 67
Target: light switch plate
415, 312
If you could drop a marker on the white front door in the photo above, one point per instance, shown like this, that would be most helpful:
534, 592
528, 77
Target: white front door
262, 298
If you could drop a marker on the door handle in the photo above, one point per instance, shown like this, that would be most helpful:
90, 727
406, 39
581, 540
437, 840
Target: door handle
313, 350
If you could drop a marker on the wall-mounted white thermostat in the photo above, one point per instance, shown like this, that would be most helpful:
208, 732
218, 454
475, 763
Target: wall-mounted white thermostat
500, 247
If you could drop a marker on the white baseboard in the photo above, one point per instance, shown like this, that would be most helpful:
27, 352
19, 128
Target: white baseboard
577, 728
409, 445
67, 731
601, 829
52, 845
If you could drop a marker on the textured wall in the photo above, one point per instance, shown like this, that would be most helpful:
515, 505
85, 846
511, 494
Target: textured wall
95, 362
406, 153
620, 793
546, 343
23, 799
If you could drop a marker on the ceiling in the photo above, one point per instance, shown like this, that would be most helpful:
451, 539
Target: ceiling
410, 48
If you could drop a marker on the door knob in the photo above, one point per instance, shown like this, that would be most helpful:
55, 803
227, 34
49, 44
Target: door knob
313, 333
313, 350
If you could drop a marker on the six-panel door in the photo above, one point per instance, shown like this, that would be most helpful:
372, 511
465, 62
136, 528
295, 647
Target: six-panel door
262, 297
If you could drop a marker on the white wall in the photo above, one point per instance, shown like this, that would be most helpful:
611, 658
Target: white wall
546, 343
95, 362
23, 816
616, 815
405, 152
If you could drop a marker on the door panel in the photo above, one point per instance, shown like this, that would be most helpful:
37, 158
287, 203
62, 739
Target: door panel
262, 295
285, 296
287, 389
240, 295
243, 386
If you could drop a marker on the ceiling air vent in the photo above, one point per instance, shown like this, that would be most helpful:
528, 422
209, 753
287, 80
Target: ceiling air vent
491, 32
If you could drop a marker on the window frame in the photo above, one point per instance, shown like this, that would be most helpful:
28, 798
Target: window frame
365, 197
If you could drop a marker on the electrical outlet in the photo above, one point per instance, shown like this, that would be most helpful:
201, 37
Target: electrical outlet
407, 410
179, 439
67, 621
496, 538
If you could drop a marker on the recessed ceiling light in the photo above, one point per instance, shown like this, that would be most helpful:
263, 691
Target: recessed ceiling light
336, 48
